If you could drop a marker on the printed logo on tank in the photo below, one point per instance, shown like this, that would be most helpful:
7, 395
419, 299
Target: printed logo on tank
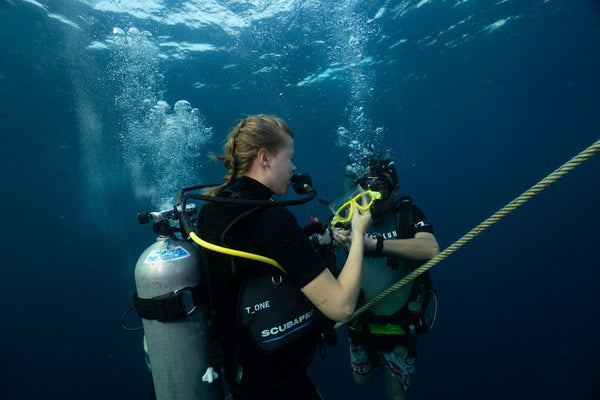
166, 255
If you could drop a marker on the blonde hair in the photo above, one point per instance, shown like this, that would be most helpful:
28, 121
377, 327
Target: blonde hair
245, 140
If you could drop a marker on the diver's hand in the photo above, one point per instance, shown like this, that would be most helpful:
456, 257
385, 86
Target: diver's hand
370, 243
360, 220
341, 238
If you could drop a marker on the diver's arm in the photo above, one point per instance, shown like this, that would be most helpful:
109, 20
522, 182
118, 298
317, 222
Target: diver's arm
423, 246
336, 298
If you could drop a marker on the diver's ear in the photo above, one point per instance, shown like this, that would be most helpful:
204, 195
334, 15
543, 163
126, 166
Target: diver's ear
263, 157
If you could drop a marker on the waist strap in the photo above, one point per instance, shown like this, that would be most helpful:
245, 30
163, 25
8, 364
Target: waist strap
377, 329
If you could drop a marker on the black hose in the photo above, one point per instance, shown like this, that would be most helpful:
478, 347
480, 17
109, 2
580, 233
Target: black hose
301, 185
249, 202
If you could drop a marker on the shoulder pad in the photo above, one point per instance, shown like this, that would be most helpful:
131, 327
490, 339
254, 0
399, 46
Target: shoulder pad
404, 200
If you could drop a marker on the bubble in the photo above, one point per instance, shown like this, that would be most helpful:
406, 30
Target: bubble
182, 106
162, 146
162, 106
133, 31
353, 41
349, 46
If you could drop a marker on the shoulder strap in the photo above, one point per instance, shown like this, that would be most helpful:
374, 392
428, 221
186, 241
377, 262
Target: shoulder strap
404, 219
403, 213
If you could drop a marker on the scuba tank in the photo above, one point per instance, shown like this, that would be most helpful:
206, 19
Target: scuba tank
172, 299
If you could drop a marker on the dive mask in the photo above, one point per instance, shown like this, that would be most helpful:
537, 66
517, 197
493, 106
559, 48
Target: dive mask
342, 207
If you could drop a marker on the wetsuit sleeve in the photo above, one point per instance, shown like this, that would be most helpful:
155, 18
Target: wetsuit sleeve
419, 222
287, 243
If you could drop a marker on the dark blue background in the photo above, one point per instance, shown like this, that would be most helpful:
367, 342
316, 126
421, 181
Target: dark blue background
471, 127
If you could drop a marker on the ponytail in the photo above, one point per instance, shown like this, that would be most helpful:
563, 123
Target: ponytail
245, 140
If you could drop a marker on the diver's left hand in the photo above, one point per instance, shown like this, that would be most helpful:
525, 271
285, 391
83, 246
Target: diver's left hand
370, 243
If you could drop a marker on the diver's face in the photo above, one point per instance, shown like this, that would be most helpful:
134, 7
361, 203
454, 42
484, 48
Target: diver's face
379, 185
382, 184
282, 167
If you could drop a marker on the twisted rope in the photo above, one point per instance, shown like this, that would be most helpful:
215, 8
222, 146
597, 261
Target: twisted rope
523, 198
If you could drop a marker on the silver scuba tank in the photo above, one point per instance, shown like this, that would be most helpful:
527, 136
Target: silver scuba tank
168, 275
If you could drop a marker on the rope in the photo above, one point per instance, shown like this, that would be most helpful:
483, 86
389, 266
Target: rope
523, 198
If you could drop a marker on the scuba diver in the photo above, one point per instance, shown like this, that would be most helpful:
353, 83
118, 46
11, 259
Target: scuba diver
399, 240
268, 317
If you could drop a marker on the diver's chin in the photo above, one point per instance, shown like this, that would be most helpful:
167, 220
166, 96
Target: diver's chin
375, 213
379, 210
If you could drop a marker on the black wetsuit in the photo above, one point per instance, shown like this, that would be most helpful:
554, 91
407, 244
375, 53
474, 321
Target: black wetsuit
271, 232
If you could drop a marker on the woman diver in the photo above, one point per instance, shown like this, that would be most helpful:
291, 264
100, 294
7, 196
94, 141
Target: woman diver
266, 319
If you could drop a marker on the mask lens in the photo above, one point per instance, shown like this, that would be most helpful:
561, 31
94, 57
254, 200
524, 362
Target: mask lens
344, 214
364, 200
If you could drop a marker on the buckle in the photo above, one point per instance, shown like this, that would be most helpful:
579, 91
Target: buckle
186, 298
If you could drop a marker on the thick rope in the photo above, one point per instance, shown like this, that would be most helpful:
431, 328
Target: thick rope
543, 184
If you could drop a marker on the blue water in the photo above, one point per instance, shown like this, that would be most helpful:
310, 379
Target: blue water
477, 100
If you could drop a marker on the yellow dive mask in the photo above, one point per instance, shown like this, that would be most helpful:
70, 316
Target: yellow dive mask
342, 207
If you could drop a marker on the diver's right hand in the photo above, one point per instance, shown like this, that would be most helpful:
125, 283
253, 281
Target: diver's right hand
341, 238
360, 220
